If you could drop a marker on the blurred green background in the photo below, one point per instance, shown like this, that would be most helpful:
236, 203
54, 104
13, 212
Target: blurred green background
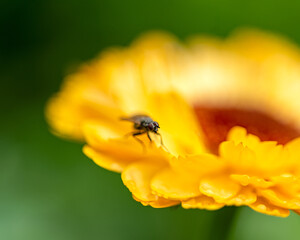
49, 189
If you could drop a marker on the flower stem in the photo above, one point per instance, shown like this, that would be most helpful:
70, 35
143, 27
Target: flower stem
222, 223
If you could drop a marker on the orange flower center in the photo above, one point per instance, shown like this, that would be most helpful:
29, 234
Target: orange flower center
216, 122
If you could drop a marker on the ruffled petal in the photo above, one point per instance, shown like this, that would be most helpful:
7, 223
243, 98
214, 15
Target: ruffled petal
297, 211
114, 143
260, 46
159, 203
199, 165
285, 179
239, 134
173, 185
245, 196
220, 188
202, 202
239, 157
181, 132
137, 178
246, 180
263, 206
293, 147
106, 161
98, 131
280, 198
79, 100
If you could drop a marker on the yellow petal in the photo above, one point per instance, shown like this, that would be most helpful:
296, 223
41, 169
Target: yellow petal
245, 196
220, 188
112, 142
173, 185
100, 130
137, 178
293, 147
297, 211
239, 135
155, 41
246, 180
198, 164
263, 206
248, 155
159, 203
260, 46
106, 161
202, 202
285, 179
79, 100
178, 123
240, 158
279, 198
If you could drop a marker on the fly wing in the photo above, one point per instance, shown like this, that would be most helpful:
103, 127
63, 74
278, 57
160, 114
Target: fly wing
135, 118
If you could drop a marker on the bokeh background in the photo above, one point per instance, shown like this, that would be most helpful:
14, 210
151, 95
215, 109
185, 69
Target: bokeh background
48, 188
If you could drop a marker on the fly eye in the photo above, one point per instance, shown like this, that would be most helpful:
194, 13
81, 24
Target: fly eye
151, 126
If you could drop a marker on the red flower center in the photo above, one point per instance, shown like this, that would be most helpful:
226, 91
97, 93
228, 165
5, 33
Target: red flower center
216, 122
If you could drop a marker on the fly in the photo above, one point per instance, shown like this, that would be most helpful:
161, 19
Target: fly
143, 124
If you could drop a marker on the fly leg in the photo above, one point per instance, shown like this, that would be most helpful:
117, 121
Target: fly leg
161, 142
149, 136
128, 134
135, 134
151, 141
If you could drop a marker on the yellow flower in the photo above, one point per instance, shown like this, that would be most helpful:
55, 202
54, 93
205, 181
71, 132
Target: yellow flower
266, 175
197, 93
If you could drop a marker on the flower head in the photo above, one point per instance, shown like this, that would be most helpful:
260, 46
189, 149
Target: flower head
196, 93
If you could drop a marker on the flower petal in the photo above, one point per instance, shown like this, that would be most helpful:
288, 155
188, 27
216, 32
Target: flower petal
245, 196
79, 100
97, 131
137, 178
239, 157
198, 164
239, 134
263, 206
173, 185
279, 198
159, 203
246, 180
285, 179
297, 211
220, 188
183, 134
109, 141
106, 161
202, 202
